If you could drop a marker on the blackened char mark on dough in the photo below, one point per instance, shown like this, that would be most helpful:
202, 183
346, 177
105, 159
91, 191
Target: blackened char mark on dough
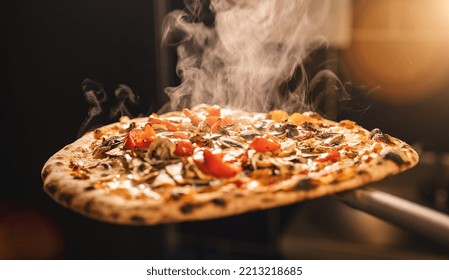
66, 198
304, 185
137, 219
45, 172
219, 201
361, 172
52, 189
188, 208
176, 196
87, 208
397, 159
89, 188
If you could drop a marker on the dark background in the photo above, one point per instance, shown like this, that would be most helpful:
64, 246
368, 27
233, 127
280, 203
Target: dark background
47, 48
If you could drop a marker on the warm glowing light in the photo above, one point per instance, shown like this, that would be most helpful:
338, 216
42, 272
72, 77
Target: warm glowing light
401, 46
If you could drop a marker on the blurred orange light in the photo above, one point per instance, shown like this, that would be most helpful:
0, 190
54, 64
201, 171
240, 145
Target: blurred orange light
401, 47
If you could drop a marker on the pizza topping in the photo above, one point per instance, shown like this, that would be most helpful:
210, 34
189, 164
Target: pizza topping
290, 130
214, 111
140, 138
194, 118
332, 156
184, 148
277, 115
265, 144
249, 134
209, 147
107, 145
377, 135
213, 164
155, 119
161, 148
336, 139
228, 142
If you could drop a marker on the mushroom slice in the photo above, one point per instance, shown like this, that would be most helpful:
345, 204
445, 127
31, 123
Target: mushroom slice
161, 148
106, 145
249, 134
291, 130
201, 139
229, 142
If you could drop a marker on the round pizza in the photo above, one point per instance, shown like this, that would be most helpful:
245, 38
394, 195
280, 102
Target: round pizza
211, 162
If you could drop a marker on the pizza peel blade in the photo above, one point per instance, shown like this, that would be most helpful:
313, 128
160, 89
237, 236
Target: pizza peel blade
398, 211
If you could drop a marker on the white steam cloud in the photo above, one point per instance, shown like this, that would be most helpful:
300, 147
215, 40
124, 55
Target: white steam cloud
247, 54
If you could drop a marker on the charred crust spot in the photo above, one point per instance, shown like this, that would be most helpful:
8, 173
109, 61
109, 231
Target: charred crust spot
248, 168
362, 172
187, 208
176, 196
88, 206
304, 185
59, 163
66, 198
115, 215
89, 188
52, 189
267, 200
201, 184
219, 202
68, 147
397, 159
45, 172
137, 219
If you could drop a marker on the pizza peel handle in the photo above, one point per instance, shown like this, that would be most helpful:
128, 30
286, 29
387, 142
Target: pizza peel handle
401, 212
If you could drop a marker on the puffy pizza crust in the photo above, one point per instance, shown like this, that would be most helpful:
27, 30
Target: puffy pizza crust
82, 197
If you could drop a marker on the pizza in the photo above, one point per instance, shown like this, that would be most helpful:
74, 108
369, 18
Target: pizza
209, 162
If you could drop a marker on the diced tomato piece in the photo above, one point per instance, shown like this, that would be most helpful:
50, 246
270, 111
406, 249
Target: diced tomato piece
222, 123
184, 148
129, 142
193, 118
148, 130
215, 126
179, 135
213, 164
265, 144
138, 138
210, 120
214, 111
226, 121
278, 115
154, 119
333, 156
299, 118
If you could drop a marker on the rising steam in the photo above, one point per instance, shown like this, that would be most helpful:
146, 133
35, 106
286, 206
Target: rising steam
95, 97
100, 110
124, 94
247, 54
